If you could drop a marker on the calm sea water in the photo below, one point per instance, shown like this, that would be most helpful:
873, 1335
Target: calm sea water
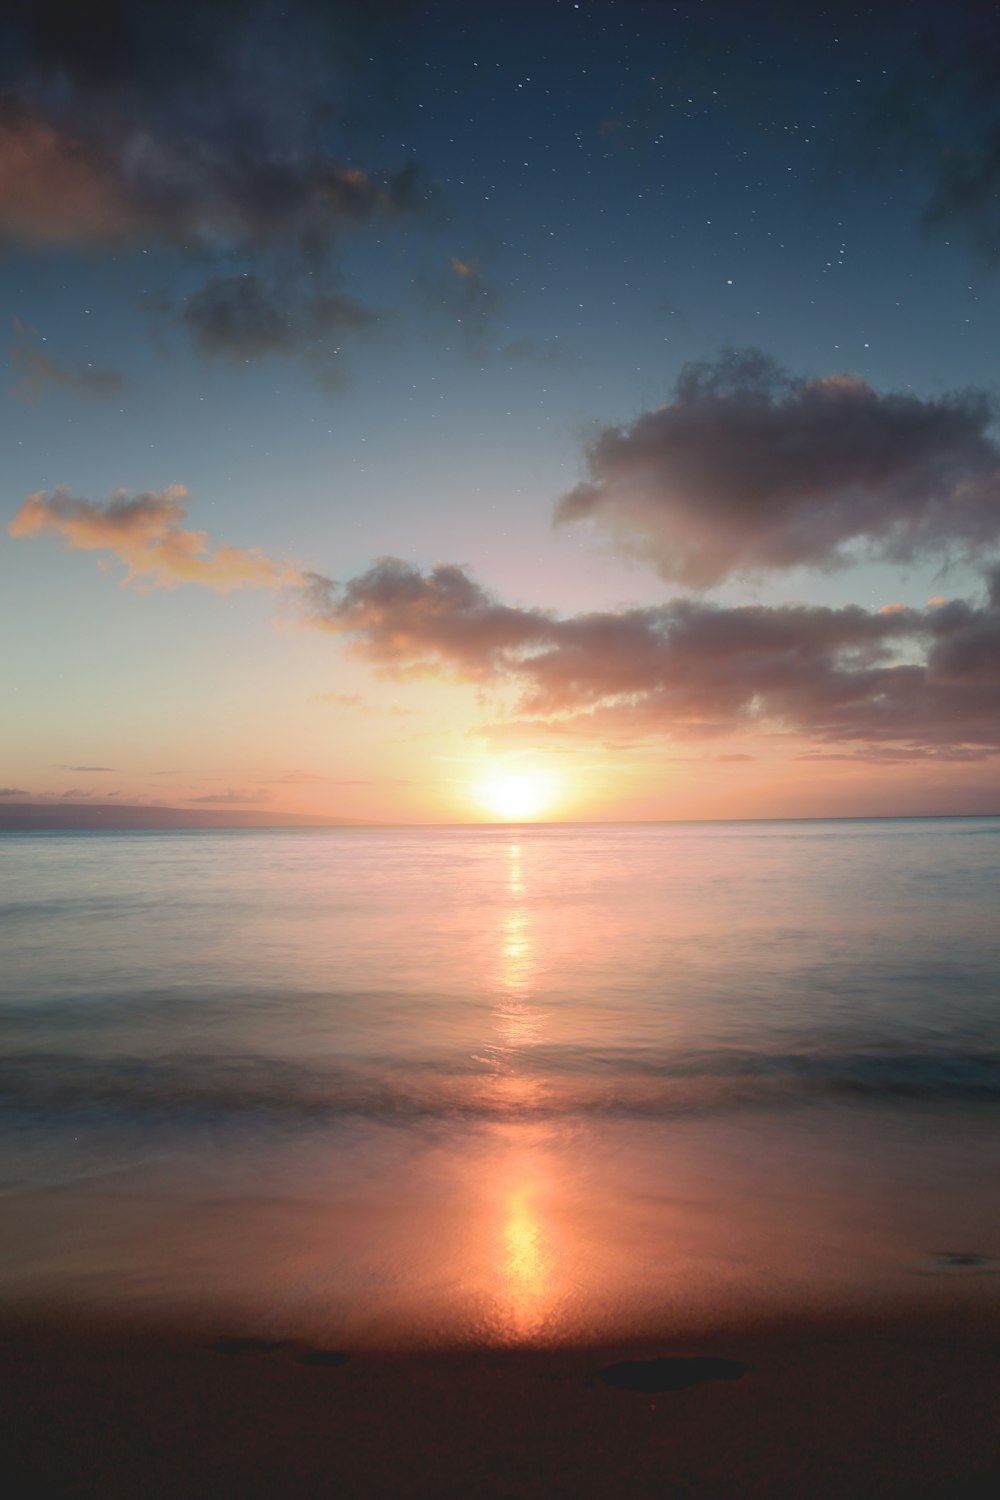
500, 1085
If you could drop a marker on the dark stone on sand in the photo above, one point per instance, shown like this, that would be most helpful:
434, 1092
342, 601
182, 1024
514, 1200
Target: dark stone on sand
247, 1346
675, 1374
327, 1357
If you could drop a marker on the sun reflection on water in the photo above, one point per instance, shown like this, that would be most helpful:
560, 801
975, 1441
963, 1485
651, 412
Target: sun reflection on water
522, 1252
525, 1262
518, 951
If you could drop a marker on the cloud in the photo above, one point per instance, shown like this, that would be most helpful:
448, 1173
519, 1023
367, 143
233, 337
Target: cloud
343, 700
39, 372
748, 468
12, 791
145, 532
687, 669
900, 755
109, 769
362, 706
234, 798
250, 316
410, 624
203, 125
466, 299
210, 129
936, 116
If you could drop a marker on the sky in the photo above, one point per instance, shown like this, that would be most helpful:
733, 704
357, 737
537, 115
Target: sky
435, 412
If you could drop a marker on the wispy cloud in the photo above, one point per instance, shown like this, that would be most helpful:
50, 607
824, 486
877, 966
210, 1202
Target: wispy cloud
935, 117
39, 372
355, 701
250, 316
146, 533
233, 797
465, 300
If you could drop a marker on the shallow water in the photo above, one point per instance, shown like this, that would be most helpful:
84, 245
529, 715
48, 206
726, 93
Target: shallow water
503, 1086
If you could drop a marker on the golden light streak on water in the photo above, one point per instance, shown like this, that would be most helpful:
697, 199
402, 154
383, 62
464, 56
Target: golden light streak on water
523, 1251
525, 1261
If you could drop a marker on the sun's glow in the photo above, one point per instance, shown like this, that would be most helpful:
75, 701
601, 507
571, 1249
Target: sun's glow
517, 795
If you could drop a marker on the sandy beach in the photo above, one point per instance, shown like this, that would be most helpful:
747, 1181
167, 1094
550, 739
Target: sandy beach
895, 1409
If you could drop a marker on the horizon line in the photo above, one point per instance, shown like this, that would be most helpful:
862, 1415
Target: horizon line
86, 817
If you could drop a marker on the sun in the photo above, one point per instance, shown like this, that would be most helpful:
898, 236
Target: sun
516, 796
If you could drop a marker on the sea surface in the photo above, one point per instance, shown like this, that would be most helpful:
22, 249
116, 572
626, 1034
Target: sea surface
500, 1085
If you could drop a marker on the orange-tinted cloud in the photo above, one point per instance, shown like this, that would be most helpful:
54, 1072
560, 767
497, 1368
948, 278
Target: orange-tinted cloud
55, 189
688, 669
146, 533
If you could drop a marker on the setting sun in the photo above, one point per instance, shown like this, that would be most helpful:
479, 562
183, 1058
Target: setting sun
516, 795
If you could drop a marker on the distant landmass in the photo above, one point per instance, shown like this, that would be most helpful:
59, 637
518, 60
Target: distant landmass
69, 816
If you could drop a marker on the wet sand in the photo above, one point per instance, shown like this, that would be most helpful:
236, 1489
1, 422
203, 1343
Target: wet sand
840, 1411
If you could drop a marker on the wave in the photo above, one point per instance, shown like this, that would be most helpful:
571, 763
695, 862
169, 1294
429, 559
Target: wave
49, 1086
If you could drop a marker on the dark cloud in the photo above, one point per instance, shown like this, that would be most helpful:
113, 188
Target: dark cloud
39, 372
247, 317
936, 116
12, 791
210, 129
748, 468
218, 158
410, 624
116, 42
109, 769
687, 669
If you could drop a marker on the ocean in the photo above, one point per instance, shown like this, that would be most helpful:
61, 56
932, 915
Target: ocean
495, 1086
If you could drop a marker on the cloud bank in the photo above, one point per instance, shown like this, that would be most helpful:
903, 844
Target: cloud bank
688, 669
749, 469
146, 533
